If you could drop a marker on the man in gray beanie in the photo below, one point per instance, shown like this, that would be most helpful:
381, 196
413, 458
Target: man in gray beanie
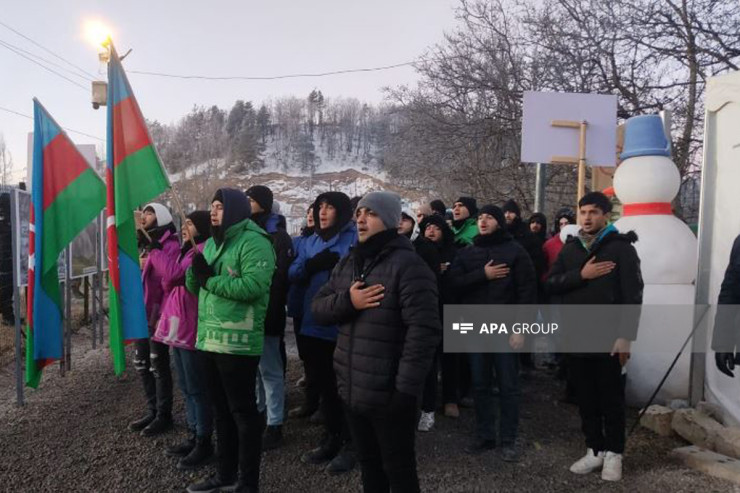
384, 298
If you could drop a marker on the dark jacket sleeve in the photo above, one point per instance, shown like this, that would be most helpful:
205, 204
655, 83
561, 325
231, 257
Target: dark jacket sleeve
525, 279
283, 257
560, 280
459, 277
725, 336
332, 304
631, 286
420, 314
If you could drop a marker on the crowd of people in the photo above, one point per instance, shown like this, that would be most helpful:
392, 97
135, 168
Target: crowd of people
365, 283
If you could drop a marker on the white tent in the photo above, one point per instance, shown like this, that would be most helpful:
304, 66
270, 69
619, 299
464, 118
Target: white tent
719, 225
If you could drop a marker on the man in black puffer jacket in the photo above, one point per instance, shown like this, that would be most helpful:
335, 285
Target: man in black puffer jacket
384, 299
495, 270
600, 267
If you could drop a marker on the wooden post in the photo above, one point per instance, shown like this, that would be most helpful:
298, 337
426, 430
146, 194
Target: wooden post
580, 161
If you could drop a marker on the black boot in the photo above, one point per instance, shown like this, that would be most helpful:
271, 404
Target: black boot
183, 448
273, 437
344, 461
142, 423
201, 454
161, 424
325, 452
212, 484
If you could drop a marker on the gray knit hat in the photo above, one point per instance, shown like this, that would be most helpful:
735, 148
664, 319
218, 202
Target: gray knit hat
387, 205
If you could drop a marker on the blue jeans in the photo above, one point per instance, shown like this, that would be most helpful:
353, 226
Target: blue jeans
191, 380
271, 381
507, 376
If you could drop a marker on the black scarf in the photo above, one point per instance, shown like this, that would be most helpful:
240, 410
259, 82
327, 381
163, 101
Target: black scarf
374, 245
497, 237
307, 231
459, 223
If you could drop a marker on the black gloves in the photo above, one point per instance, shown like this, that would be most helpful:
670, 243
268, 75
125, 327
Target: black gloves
154, 245
726, 362
324, 260
148, 243
201, 270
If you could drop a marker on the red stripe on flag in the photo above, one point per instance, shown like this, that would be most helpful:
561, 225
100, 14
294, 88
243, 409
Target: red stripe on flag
31, 267
63, 163
129, 130
110, 213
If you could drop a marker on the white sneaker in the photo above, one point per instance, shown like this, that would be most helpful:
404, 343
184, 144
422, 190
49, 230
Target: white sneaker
426, 421
612, 470
588, 463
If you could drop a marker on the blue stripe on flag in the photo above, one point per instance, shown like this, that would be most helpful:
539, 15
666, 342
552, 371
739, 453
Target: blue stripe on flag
47, 324
133, 314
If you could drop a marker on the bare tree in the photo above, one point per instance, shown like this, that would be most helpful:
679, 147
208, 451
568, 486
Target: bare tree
6, 163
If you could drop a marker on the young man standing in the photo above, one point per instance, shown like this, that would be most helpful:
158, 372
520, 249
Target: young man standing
335, 234
232, 280
152, 358
600, 266
464, 212
384, 299
271, 378
495, 270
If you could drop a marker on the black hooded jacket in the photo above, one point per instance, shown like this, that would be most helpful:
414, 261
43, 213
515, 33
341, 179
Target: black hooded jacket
532, 244
236, 209
340, 202
445, 253
468, 277
389, 348
282, 243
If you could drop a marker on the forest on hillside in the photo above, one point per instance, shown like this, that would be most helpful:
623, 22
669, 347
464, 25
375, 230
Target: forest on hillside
458, 131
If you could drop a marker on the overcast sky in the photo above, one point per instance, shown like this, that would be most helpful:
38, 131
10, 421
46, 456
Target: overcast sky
215, 38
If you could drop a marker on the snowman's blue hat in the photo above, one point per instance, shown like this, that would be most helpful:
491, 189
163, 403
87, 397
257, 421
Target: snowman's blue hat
644, 136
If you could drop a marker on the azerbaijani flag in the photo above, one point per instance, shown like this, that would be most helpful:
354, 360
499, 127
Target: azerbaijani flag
66, 196
134, 176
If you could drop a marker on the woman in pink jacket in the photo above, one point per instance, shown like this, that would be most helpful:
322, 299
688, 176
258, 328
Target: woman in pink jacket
177, 328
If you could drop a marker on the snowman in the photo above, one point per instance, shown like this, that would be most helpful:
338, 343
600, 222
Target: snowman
646, 182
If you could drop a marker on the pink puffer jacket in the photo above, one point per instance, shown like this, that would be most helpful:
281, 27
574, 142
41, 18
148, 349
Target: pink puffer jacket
178, 324
157, 266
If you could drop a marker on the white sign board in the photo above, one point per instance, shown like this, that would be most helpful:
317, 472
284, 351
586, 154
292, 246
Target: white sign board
719, 222
541, 141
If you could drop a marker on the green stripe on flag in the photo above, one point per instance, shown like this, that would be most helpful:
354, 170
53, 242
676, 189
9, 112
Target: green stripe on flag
116, 331
139, 178
33, 372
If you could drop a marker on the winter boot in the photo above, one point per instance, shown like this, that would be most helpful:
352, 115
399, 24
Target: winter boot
183, 448
344, 461
160, 425
325, 452
142, 423
273, 437
201, 454
212, 484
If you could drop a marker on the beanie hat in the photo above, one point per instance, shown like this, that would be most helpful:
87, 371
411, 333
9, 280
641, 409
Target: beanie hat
163, 213
511, 206
494, 211
387, 205
438, 207
470, 205
262, 195
202, 222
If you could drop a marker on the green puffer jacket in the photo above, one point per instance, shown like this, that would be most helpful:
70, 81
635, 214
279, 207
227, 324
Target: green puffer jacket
233, 304
466, 232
